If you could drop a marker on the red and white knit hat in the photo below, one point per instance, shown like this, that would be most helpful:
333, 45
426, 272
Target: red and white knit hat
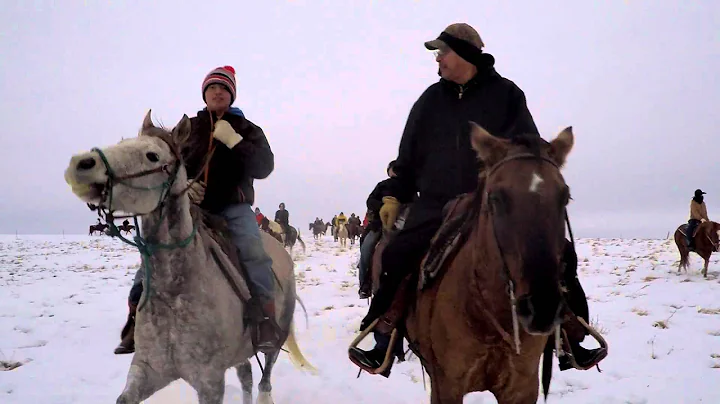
222, 75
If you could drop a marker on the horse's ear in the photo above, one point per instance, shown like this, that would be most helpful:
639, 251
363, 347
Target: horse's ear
181, 131
147, 121
489, 148
562, 144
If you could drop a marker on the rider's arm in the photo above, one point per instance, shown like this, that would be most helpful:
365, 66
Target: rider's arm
403, 185
253, 152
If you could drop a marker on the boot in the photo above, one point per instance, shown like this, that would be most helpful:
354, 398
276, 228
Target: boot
267, 331
127, 335
372, 359
690, 242
584, 358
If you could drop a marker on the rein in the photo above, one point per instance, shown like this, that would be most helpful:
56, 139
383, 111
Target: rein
510, 288
147, 246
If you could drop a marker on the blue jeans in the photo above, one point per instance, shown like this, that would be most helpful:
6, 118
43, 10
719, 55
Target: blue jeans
366, 252
246, 237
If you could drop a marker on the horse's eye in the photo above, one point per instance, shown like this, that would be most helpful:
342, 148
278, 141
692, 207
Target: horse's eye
153, 157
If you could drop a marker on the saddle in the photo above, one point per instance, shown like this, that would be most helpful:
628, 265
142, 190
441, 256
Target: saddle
447, 239
216, 228
684, 227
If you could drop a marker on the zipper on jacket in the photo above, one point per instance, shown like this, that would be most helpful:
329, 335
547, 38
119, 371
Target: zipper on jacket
460, 93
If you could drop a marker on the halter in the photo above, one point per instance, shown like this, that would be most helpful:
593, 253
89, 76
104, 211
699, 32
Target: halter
148, 245
510, 289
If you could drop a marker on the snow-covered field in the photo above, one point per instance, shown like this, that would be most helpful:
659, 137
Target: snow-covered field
63, 302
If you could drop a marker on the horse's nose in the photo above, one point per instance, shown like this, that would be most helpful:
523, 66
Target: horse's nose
86, 164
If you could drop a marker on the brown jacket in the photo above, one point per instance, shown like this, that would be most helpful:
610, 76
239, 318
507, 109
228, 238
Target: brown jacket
698, 211
231, 172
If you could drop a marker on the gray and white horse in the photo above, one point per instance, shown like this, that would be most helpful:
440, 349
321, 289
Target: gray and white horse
192, 325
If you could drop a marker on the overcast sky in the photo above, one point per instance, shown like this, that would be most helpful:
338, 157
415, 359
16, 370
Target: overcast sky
331, 84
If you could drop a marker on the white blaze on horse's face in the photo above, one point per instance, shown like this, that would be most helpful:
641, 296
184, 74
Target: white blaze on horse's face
535, 182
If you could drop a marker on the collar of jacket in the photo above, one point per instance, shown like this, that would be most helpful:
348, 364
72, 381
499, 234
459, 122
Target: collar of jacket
485, 73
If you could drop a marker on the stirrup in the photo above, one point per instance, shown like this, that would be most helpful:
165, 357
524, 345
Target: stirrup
388, 354
568, 351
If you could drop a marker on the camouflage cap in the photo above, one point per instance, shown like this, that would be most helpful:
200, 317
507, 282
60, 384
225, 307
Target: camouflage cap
459, 30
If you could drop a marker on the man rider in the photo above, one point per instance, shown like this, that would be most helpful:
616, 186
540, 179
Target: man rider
698, 214
282, 216
242, 154
373, 230
436, 159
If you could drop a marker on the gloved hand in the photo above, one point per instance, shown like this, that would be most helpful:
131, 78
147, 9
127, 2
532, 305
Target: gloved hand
196, 192
226, 134
389, 212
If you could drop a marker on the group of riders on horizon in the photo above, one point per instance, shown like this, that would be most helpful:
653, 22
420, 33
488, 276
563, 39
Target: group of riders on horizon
432, 169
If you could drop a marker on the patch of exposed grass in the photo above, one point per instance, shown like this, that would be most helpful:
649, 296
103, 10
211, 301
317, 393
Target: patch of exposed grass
708, 311
662, 324
650, 278
640, 312
714, 333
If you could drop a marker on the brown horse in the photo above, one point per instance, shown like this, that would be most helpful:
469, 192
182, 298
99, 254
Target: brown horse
483, 322
100, 228
706, 238
353, 231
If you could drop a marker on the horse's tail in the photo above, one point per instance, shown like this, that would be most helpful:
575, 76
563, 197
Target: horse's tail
301, 241
296, 356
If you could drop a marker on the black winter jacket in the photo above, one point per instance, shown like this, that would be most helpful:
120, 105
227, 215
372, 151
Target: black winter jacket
231, 172
435, 157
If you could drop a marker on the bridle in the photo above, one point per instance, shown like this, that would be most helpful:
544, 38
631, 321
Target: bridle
510, 287
147, 245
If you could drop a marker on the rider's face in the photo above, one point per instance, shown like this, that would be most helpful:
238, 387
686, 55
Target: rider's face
217, 98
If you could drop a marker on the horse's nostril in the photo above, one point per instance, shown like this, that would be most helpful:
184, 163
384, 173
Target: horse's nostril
86, 164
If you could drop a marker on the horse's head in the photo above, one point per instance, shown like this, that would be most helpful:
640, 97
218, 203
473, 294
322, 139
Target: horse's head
712, 233
134, 175
523, 207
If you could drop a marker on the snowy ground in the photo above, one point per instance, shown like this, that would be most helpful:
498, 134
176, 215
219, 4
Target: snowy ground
63, 301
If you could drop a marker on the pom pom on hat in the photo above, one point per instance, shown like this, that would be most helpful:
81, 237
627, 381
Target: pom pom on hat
225, 76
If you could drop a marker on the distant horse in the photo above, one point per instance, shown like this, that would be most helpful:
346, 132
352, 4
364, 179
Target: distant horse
706, 242
353, 231
318, 229
342, 234
126, 227
291, 237
100, 228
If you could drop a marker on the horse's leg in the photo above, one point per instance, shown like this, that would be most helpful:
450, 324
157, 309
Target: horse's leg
442, 392
210, 387
244, 372
265, 387
142, 382
705, 268
523, 394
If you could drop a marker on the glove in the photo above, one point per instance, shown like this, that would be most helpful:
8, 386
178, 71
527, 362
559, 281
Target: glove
196, 192
389, 212
226, 134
